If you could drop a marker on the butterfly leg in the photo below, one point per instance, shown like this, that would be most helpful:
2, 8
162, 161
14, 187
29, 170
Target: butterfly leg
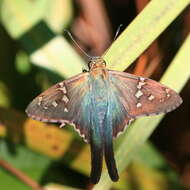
62, 125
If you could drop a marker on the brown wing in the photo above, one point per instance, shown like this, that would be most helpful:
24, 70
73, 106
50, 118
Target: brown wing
142, 96
62, 103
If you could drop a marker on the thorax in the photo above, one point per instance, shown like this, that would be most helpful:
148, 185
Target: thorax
98, 81
99, 85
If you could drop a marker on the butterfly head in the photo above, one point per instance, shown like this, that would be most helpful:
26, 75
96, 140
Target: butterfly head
96, 62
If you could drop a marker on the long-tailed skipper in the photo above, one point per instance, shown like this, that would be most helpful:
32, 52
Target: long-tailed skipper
100, 103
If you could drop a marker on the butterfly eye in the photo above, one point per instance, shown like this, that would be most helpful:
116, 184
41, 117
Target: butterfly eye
89, 64
84, 70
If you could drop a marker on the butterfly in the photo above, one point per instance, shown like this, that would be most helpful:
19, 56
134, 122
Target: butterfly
100, 104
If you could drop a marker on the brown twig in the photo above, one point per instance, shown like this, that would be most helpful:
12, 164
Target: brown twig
92, 26
186, 23
151, 56
89, 186
20, 175
141, 65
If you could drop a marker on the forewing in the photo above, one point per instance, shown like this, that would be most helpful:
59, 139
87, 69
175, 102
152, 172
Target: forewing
141, 96
62, 103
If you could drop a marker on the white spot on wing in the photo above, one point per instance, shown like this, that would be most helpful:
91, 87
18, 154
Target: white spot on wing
139, 105
65, 99
63, 90
65, 110
151, 97
61, 84
140, 84
62, 87
40, 100
54, 103
167, 92
139, 94
142, 79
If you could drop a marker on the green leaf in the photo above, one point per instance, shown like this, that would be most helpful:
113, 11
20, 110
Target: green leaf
21, 15
28, 21
58, 56
4, 95
156, 172
59, 187
59, 14
31, 163
144, 29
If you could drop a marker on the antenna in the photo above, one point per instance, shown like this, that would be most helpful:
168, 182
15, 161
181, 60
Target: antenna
117, 32
116, 35
70, 35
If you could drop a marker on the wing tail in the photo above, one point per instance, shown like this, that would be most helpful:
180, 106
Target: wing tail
109, 154
110, 160
96, 156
